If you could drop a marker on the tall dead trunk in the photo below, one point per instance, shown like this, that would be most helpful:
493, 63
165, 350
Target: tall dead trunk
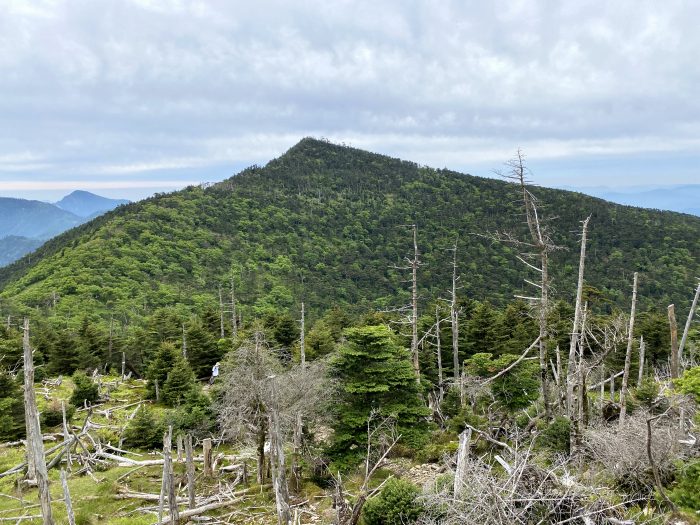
688, 323
674, 340
222, 330
189, 460
66, 498
462, 465
628, 354
642, 348
454, 317
261, 452
414, 305
35, 442
279, 474
439, 352
544, 305
302, 346
574, 342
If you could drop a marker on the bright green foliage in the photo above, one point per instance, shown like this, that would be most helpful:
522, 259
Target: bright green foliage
159, 367
515, 389
194, 415
319, 340
689, 383
85, 390
179, 384
555, 435
374, 373
144, 430
396, 504
202, 349
686, 491
11, 408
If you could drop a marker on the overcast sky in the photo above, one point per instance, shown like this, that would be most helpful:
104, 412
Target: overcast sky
128, 97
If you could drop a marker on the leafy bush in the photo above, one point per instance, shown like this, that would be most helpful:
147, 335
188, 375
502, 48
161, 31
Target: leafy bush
85, 390
686, 490
396, 504
53, 413
145, 430
555, 436
689, 383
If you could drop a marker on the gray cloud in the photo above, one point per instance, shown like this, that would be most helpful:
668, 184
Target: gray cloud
174, 90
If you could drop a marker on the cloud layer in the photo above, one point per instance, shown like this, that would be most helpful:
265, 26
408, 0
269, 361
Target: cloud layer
174, 90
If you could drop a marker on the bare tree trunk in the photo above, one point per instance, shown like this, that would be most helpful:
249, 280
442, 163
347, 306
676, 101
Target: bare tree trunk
642, 348
296, 455
206, 453
302, 346
462, 465
544, 305
439, 352
601, 401
628, 354
414, 306
279, 475
574, 342
454, 320
261, 453
168, 475
179, 442
688, 322
189, 458
66, 498
674, 340
123, 365
35, 441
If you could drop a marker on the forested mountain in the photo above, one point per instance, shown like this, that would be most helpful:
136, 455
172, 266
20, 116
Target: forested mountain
327, 223
86, 204
26, 224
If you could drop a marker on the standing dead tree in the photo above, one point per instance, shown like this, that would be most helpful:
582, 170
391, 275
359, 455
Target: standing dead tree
534, 255
381, 439
35, 445
688, 322
454, 324
628, 354
674, 340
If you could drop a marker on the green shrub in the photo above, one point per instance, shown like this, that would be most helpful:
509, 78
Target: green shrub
396, 504
555, 436
145, 430
689, 383
440, 445
686, 490
53, 414
647, 392
85, 390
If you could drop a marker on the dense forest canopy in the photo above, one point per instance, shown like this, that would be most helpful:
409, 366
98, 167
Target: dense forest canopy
328, 223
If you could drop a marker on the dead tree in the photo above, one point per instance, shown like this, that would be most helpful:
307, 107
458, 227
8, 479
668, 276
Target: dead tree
381, 439
674, 340
642, 349
189, 460
688, 323
279, 475
575, 342
66, 499
537, 248
415, 263
454, 323
438, 350
36, 460
628, 354
302, 346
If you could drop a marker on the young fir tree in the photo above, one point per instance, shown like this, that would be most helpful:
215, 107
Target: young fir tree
144, 431
374, 373
158, 368
85, 390
179, 384
11, 408
202, 349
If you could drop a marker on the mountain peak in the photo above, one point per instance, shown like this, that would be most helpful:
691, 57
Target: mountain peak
86, 204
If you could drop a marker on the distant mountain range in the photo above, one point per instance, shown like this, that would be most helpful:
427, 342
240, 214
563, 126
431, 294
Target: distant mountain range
27, 224
683, 198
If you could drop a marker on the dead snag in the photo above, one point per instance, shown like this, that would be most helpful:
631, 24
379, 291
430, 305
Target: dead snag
628, 354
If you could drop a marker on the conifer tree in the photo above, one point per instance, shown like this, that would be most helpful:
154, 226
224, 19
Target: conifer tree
159, 367
374, 373
202, 349
179, 384
144, 431
11, 408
